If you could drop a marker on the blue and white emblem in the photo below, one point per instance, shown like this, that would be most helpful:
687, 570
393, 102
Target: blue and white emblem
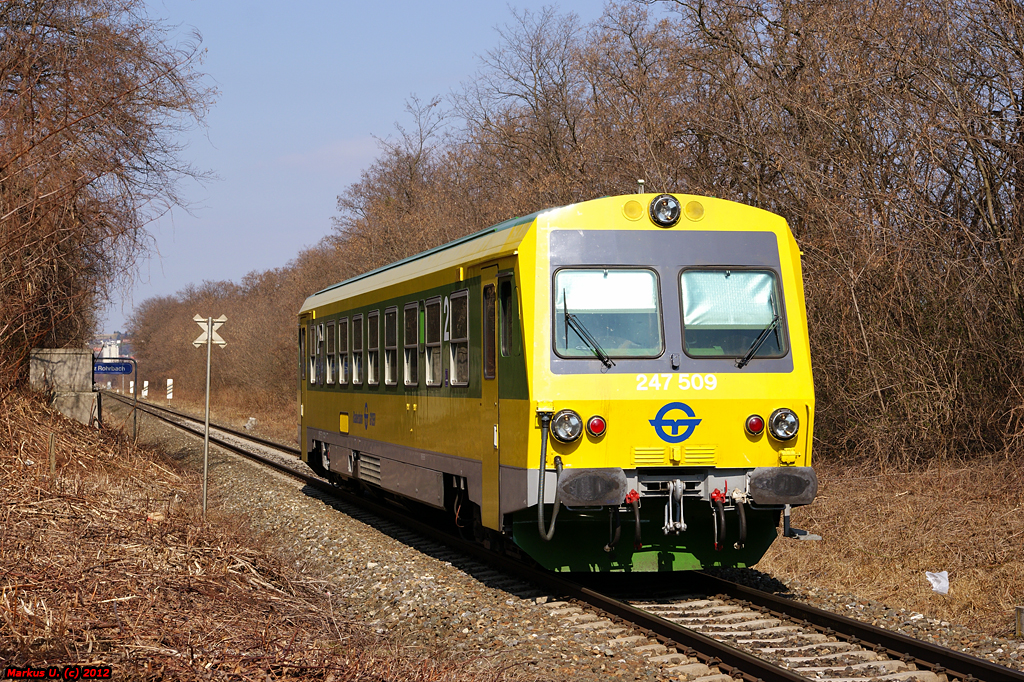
662, 422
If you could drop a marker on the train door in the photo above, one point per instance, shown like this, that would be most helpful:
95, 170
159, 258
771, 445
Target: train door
489, 392
303, 378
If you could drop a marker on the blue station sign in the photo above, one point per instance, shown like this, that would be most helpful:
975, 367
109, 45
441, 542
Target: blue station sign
112, 368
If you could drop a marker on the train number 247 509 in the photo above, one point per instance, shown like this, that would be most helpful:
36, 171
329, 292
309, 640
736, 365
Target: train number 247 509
683, 382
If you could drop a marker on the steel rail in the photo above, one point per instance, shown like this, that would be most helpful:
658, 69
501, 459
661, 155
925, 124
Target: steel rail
729, 659
939, 660
227, 429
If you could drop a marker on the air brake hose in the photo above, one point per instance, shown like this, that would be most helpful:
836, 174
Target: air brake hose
719, 525
545, 532
743, 525
638, 542
614, 528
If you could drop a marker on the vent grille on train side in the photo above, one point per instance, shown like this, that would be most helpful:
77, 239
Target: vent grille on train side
648, 457
699, 455
369, 468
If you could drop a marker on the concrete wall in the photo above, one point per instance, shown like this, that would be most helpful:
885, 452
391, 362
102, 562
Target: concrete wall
67, 374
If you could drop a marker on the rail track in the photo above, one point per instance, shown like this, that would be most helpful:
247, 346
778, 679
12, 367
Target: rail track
714, 630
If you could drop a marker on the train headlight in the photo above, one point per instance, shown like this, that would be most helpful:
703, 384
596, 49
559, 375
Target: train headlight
566, 426
596, 426
665, 210
783, 424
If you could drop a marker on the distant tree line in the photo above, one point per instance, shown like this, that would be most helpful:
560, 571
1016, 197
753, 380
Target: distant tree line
887, 133
91, 96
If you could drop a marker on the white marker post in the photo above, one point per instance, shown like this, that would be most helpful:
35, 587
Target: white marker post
170, 389
208, 337
145, 390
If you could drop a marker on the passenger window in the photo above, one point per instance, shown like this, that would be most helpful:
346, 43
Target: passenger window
357, 350
433, 344
412, 318
459, 344
373, 348
343, 351
391, 346
490, 358
320, 354
329, 353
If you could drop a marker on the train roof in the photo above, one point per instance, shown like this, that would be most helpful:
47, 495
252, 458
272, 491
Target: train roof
489, 242
321, 297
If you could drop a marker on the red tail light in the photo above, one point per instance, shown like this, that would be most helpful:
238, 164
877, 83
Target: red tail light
596, 426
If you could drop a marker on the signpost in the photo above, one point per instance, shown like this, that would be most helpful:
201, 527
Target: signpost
123, 366
208, 337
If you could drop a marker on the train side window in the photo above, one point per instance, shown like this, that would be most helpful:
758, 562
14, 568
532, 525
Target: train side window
343, 351
357, 350
507, 312
490, 359
458, 347
411, 344
312, 354
320, 354
302, 353
373, 347
433, 345
391, 346
329, 354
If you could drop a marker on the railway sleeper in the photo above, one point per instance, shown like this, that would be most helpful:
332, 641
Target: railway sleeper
889, 666
916, 675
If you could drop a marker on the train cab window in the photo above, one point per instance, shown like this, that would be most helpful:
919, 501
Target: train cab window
611, 312
391, 346
725, 312
507, 313
458, 346
343, 351
490, 359
329, 358
433, 344
411, 345
312, 354
357, 350
373, 347
302, 353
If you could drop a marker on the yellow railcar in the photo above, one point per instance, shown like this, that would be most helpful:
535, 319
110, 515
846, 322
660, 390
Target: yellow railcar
637, 364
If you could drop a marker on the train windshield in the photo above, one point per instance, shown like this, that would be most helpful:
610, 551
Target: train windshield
618, 309
726, 311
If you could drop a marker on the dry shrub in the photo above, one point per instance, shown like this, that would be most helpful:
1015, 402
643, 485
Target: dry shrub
882, 531
108, 562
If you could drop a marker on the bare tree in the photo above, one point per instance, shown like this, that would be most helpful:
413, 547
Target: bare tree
91, 97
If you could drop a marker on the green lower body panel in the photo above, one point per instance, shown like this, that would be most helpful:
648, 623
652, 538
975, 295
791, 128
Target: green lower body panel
581, 536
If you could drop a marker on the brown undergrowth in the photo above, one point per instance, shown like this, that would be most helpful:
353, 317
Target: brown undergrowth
107, 561
882, 531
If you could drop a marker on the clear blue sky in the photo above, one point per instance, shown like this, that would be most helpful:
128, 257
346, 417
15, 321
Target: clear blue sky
304, 88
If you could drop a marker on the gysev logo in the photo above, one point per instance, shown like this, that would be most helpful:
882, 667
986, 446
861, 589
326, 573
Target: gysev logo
687, 425
367, 418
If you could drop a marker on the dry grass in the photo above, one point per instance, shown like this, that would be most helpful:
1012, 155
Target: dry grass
107, 562
882, 531
279, 423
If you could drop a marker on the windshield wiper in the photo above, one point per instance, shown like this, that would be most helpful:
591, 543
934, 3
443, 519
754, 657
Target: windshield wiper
572, 322
757, 343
